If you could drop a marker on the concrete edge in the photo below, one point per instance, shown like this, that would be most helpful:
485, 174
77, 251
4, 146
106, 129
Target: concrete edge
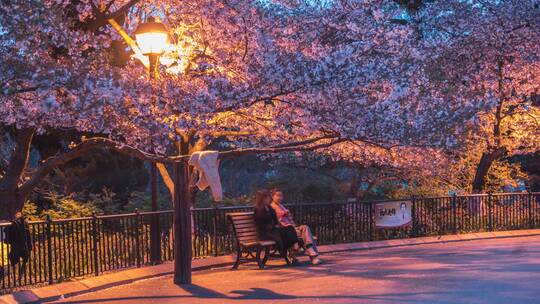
91, 284
425, 241
69, 289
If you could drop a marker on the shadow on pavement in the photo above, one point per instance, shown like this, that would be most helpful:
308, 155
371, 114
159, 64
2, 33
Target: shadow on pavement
270, 295
198, 292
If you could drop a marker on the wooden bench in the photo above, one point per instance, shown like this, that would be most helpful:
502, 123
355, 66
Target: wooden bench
248, 244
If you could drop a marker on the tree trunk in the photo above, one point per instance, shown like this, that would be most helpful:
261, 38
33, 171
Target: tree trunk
353, 188
488, 158
11, 204
11, 199
496, 151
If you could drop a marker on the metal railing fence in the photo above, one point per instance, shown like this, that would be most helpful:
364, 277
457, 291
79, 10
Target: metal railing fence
67, 248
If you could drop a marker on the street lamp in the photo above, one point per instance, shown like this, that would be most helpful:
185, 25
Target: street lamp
152, 38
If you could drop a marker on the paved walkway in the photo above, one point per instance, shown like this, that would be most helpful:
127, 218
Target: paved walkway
479, 271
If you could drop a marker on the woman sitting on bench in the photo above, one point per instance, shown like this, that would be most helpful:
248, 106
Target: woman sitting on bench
269, 228
285, 220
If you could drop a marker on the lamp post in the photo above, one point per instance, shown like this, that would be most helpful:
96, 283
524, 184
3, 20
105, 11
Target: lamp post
152, 37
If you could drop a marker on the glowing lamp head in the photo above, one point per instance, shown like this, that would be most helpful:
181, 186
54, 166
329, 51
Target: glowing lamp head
151, 37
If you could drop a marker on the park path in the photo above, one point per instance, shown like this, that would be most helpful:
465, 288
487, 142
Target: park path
481, 271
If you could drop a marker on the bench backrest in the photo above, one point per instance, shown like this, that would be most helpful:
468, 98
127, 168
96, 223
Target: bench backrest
244, 226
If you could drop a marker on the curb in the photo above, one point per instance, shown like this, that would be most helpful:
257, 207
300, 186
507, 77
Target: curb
91, 284
429, 240
69, 289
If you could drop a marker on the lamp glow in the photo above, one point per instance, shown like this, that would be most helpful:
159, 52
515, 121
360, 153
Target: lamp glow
151, 37
152, 43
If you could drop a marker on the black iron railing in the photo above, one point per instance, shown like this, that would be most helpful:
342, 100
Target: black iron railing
68, 248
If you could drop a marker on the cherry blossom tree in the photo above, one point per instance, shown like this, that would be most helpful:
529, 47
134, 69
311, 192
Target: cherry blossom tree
268, 77
475, 61
486, 51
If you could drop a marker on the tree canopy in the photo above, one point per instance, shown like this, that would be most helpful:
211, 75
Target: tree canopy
362, 80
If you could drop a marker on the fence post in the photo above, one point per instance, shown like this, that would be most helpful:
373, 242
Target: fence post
370, 222
490, 211
155, 239
413, 217
530, 211
214, 230
95, 241
335, 226
138, 237
155, 232
49, 247
158, 238
454, 214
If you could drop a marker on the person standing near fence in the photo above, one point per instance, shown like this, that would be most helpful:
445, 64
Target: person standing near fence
285, 219
20, 242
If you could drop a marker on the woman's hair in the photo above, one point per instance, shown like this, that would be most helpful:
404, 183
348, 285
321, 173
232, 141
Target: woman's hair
260, 196
274, 191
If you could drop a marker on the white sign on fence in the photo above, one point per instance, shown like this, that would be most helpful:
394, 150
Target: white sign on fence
393, 214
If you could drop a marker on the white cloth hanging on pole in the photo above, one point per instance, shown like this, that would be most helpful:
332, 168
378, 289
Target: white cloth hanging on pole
206, 169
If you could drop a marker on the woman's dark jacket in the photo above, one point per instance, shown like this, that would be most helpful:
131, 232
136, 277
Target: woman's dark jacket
19, 239
266, 222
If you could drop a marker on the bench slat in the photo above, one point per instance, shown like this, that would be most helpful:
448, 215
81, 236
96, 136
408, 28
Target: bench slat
240, 213
236, 216
259, 243
245, 225
251, 237
242, 241
246, 220
243, 219
246, 229
248, 234
236, 224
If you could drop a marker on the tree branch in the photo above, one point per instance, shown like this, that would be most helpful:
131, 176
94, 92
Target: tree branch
132, 44
277, 149
78, 150
86, 145
103, 18
166, 177
230, 133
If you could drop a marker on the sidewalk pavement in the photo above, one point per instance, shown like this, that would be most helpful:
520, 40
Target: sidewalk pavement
91, 284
